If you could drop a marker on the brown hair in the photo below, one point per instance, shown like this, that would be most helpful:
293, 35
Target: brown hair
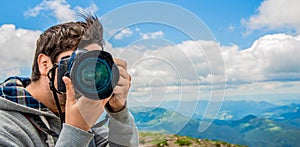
66, 37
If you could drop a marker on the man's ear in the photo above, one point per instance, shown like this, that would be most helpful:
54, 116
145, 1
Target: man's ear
44, 63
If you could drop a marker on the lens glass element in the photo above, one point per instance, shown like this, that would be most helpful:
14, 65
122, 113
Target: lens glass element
102, 75
93, 75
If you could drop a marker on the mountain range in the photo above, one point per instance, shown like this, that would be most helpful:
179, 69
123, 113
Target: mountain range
229, 110
251, 123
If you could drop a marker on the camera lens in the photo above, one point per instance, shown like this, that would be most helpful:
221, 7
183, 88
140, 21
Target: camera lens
102, 75
92, 75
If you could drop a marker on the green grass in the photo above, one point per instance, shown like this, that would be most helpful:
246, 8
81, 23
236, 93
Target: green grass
162, 140
183, 141
162, 143
157, 139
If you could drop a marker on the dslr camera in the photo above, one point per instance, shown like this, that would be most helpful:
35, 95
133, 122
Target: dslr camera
93, 73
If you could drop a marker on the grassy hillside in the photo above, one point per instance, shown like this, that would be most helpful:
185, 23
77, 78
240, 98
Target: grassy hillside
150, 139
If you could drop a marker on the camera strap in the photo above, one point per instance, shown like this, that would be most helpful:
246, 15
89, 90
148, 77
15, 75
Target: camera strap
51, 76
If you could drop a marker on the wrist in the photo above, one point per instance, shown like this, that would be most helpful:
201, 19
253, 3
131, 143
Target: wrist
79, 126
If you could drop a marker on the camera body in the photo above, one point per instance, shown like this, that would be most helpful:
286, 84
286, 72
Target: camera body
93, 73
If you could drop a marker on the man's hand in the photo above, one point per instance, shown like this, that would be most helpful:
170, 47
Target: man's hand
118, 99
83, 112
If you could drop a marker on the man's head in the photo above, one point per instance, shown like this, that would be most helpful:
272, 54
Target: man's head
66, 37
57, 42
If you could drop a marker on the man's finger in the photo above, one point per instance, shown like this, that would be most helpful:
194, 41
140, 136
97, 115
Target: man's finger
123, 82
120, 90
120, 62
123, 72
69, 90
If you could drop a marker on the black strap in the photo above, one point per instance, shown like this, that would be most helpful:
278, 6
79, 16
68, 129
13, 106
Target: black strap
51, 76
61, 116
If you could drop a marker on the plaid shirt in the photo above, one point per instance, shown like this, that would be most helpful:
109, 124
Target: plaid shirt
13, 89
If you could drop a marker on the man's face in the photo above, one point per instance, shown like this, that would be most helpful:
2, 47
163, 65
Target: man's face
62, 97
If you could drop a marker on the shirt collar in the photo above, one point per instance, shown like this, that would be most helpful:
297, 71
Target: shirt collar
13, 89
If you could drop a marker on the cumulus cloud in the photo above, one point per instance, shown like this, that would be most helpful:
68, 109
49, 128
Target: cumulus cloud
178, 70
152, 35
123, 33
270, 58
186, 67
275, 14
17, 48
171, 71
60, 9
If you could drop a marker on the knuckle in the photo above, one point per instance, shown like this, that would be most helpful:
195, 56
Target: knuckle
117, 60
116, 90
122, 71
125, 64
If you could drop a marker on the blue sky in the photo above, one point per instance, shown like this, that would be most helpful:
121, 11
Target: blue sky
222, 17
251, 52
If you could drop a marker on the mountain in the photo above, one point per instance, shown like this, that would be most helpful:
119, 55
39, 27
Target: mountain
287, 114
240, 109
283, 112
251, 130
158, 119
230, 110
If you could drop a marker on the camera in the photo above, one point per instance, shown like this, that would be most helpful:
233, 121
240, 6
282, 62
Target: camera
93, 73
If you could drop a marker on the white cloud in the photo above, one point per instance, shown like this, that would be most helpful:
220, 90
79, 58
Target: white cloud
123, 33
271, 60
17, 48
60, 9
275, 14
174, 71
167, 72
152, 35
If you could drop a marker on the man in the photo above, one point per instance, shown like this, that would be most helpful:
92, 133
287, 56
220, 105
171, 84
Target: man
30, 115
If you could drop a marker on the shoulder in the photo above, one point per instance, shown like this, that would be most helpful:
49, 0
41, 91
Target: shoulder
11, 116
16, 130
13, 121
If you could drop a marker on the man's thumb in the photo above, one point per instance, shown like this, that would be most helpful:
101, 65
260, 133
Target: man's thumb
70, 94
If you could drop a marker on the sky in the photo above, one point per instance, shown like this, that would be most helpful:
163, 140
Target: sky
176, 50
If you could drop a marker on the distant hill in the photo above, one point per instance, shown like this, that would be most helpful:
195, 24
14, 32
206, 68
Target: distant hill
230, 110
151, 139
291, 111
262, 130
251, 130
288, 114
159, 119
